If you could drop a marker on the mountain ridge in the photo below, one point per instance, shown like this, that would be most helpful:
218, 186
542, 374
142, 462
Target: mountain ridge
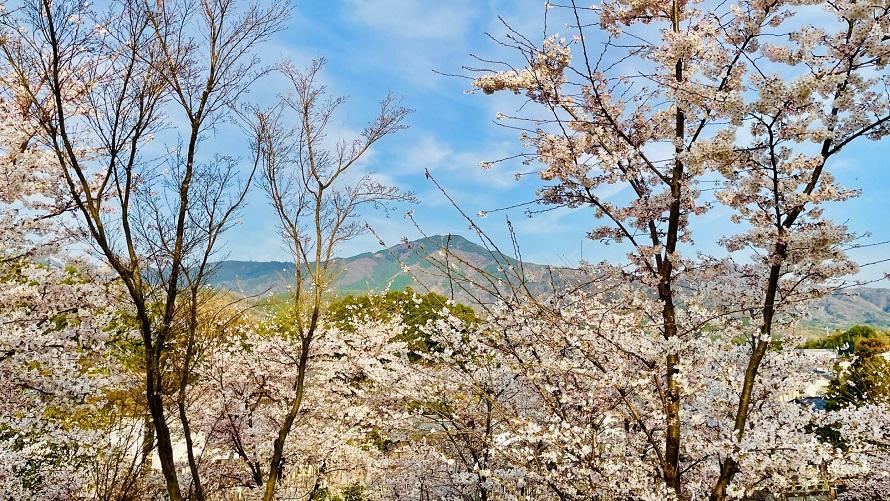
385, 269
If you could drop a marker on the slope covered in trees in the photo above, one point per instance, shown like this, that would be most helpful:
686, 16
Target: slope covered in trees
382, 270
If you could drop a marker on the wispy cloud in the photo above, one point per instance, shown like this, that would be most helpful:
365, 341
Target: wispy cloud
395, 45
414, 19
460, 167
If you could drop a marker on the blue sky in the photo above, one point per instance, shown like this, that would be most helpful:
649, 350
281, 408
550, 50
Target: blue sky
379, 46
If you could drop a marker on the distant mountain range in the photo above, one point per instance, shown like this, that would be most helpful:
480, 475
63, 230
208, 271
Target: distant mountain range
860, 305
419, 264
426, 270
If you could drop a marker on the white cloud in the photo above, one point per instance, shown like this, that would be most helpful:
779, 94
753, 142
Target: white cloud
414, 19
426, 153
546, 223
459, 168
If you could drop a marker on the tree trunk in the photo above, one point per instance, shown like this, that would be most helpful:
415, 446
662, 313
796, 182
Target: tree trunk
165, 444
275, 465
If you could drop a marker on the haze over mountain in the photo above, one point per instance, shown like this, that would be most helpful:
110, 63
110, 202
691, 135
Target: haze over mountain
386, 269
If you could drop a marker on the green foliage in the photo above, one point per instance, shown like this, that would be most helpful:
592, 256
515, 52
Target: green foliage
415, 310
867, 378
866, 381
352, 492
846, 342
871, 346
321, 494
379, 441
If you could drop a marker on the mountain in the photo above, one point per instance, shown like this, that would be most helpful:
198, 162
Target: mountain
861, 305
385, 269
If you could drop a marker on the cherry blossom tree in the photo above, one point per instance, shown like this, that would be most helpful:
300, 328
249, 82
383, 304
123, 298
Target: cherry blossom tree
669, 375
250, 385
100, 86
55, 361
662, 99
317, 189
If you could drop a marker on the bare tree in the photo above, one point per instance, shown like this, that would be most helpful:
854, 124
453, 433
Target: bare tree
101, 87
317, 192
